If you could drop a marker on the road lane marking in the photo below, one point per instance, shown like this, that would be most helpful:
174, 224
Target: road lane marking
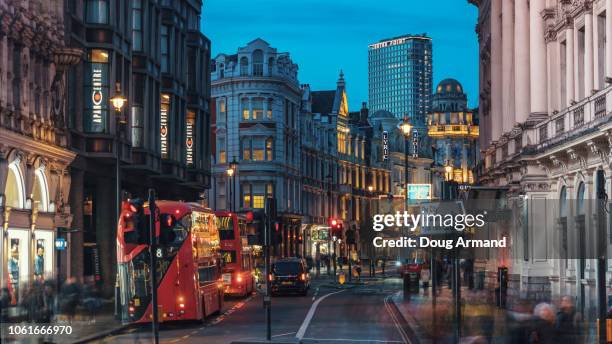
396, 322
352, 340
310, 314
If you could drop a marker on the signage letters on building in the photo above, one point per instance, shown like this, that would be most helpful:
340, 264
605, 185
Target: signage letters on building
189, 140
385, 139
163, 130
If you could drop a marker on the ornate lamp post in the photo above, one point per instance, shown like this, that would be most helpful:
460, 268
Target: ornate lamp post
406, 129
118, 101
231, 173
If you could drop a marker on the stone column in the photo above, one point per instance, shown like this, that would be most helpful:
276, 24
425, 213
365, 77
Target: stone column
596, 62
609, 38
569, 60
496, 71
588, 53
508, 65
521, 60
537, 51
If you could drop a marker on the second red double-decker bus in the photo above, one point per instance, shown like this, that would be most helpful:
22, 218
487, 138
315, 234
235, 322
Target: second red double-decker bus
238, 277
188, 262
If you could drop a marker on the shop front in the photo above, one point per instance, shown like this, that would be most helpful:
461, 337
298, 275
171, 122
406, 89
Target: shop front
30, 217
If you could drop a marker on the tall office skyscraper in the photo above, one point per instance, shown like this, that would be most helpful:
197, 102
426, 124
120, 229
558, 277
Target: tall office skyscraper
400, 76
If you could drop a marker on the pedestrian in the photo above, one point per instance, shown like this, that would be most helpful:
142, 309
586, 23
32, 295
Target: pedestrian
5, 301
92, 301
542, 325
567, 323
70, 296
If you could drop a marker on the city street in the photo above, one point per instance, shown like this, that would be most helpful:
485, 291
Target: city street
356, 313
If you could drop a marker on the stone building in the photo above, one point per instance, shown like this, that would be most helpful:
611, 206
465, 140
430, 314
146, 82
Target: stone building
153, 54
453, 130
256, 97
35, 175
545, 103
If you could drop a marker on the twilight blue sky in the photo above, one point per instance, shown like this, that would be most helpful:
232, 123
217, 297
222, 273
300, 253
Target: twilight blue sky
324, 36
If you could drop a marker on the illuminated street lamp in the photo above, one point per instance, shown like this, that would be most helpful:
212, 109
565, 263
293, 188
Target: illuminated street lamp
449, 171
406, 129
231, 173
370, 188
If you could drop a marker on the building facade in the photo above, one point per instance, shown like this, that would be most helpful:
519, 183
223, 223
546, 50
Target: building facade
153, 55
256, 97
35, 159
453, 129
400, 76
545, 98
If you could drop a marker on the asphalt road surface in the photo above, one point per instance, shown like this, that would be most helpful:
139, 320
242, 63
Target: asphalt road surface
326, 315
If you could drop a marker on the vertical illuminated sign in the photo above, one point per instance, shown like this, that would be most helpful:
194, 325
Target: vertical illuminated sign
189, 124
96, 91
163, 123
385, 146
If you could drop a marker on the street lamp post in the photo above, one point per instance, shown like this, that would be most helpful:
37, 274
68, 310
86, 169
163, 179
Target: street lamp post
406, 129
329, 180
231, 173
118, 101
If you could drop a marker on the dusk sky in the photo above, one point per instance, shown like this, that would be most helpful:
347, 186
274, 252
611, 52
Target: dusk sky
324, 36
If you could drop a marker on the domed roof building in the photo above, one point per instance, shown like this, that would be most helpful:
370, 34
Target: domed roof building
453, 129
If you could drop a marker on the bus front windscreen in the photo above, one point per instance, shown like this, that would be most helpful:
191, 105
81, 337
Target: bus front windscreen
225, 225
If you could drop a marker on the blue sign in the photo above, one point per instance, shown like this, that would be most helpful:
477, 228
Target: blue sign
419, 192
61, 244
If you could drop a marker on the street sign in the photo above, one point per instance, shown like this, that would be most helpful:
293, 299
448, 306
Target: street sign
61, 244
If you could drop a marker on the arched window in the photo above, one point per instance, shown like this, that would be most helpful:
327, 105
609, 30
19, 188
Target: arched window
580, 199
244, 66
270, 65
14, 190
40, 191
258, 63
221, 71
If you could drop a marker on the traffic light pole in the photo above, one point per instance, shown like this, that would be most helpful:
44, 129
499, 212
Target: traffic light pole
153, 262
270, 214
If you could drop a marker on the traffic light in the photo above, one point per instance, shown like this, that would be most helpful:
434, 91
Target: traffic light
166, 229
336, 227
135, 226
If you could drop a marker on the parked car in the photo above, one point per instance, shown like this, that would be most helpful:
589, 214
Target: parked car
290, 275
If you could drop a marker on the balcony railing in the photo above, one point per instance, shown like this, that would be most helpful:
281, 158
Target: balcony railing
453, 130
575, 120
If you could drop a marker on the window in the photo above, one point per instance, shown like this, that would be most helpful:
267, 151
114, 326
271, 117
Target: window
96, 11
14, 189
270, 190
269, 109
246, 195
269, 149
222, 111
244, 106
258, 63
137, 25
258, 149
221, 149
165, 48
259, 195
137, 126
257, 108
244, 66
246, 149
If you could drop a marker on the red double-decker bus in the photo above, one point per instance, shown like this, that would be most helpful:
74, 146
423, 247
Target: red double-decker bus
189, 286
237, 254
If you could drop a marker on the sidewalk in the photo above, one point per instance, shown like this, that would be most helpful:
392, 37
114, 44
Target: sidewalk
82, 328
479, 318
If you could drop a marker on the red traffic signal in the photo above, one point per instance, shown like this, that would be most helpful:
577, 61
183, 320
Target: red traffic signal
334, 223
